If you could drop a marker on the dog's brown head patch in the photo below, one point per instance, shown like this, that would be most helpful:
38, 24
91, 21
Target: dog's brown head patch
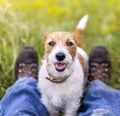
60, 38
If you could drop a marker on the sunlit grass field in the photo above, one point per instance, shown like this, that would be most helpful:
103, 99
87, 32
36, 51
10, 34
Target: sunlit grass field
23, 23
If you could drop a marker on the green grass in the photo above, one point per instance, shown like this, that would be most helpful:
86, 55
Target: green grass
24, 23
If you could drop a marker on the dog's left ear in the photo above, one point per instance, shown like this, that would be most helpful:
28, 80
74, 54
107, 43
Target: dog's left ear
78, 34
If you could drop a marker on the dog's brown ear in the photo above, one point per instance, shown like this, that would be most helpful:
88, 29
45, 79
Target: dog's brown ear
78, 34
45, 36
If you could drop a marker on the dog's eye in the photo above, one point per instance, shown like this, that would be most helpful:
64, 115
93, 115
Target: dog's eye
51, 43
69, 43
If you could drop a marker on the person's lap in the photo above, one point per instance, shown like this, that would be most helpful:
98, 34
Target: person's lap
23, 98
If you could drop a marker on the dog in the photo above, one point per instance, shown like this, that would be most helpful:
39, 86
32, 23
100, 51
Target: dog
62, 73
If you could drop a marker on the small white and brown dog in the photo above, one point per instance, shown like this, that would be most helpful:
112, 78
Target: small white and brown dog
62, 74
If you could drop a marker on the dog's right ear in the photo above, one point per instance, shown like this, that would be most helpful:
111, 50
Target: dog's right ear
45, 36
78, 34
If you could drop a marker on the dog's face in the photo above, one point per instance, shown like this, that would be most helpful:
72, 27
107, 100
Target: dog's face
60, 52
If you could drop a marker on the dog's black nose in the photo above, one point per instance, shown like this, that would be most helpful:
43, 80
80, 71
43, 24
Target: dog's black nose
60, 56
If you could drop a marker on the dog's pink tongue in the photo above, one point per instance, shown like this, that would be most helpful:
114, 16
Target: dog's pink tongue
60, 66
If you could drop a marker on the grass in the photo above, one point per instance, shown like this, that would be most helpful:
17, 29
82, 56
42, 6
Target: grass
23, 23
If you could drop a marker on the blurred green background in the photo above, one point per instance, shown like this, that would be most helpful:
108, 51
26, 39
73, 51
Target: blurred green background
23, 23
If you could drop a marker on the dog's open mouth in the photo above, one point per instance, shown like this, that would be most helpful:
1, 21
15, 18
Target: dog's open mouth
60, 66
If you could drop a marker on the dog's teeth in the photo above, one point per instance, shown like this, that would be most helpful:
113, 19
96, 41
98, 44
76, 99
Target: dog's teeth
51, 78
60, 66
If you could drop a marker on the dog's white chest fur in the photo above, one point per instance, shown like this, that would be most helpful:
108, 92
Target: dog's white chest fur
65, 95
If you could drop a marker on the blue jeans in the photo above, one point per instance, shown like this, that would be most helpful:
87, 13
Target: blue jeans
23, 99
101, 100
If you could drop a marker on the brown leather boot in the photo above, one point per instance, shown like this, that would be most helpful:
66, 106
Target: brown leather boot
99, 65
26, 64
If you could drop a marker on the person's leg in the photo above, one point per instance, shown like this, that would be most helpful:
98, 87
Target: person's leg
100, 99
23, 97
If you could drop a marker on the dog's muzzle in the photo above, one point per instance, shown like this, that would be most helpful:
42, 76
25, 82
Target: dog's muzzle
60, 65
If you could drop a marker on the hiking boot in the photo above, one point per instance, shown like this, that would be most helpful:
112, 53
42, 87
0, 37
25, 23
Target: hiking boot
26, 64
99, 65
